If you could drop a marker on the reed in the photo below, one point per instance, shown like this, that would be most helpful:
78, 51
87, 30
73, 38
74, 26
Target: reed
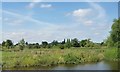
49, 57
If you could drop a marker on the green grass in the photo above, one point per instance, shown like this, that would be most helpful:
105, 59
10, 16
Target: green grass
49, 57
0, 60
111, 54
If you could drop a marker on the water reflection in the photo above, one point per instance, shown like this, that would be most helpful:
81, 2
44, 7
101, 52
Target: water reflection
93, 66
89, 66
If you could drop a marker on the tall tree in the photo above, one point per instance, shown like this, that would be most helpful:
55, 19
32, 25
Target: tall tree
54, 43
8, 43
75, 42
3, 43
22, 44
68, 43
63, 42
114, 38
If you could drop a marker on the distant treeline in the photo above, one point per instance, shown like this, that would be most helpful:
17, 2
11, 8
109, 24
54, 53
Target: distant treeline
112, 41
68, 43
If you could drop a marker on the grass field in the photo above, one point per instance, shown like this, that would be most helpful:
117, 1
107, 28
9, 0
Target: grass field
0, 60
49, 57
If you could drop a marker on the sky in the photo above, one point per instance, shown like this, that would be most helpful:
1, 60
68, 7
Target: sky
48, 21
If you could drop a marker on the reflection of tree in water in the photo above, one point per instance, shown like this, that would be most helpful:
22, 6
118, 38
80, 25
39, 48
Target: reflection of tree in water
113, 64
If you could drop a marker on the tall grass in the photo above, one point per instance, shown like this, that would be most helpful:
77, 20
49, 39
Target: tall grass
48, 57
0, 60
111, 54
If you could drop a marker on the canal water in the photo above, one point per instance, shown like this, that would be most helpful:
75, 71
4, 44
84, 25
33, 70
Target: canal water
103, 65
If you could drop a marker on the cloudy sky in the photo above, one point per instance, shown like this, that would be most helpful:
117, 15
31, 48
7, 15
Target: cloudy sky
48, 21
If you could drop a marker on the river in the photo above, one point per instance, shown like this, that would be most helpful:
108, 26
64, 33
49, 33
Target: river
103, 65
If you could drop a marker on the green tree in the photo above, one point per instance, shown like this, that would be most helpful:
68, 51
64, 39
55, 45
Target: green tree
3, 43
30, 46
0, 47
114, 38
44, 44
8, 43
22, 44
89, 43
49, 46
54, 43
75, 42
83, 43
63, 42
86, 43
37, 45
68, 43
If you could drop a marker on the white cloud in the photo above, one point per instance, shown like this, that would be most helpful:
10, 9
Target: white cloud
36, 2
45, 5
88, 23
50, 31
41, 35
13, 35
22, 18
47, 32
83, 16
88, 16
99, 9
81, 12
33, 3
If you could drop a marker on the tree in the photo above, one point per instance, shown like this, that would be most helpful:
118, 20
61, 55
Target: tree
54, 43
22, 44
89, 43
83, 43
3, 43
114, 38
44, 44
26, 43
86, 43
30, 46
63, 42
109, 42
37, 45
68, 43
0, 47
49, 46
75, 42
7, 43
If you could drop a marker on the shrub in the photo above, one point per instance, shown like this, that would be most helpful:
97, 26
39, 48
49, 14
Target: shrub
61, 46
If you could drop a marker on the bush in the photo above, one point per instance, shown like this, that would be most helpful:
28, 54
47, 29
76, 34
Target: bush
70, 58
61, 46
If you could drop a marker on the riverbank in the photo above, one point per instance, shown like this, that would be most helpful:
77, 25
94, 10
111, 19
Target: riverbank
102, 65
50, 57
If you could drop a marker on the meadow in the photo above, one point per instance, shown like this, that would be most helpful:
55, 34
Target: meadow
54, 56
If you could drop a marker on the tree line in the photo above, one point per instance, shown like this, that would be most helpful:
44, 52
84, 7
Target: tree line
66, 43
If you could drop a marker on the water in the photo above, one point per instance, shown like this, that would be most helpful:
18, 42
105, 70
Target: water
92, 66
89, 66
